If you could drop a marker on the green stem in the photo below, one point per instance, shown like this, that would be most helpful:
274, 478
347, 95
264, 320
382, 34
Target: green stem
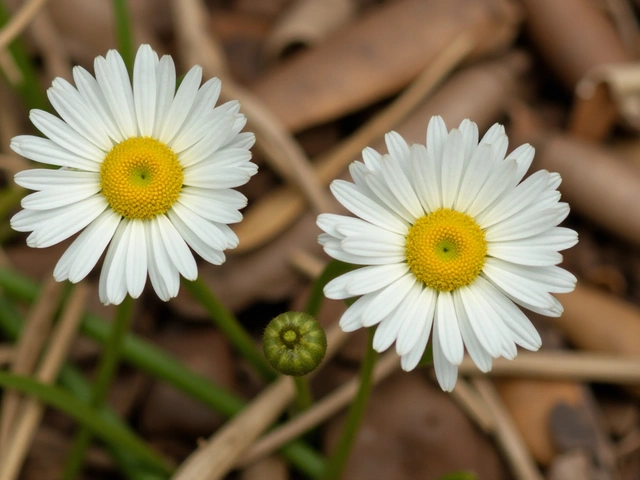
29, 89
338, 460
153, 361
230, 326
124, 33
333, 269
106, 370
304, 399
91, 419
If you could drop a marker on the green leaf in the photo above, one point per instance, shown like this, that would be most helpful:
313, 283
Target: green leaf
94, 420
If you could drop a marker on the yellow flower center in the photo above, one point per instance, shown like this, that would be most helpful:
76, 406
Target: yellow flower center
141, 178
446, 249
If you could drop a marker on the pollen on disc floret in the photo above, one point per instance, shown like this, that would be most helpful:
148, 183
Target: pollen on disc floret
446, 249
141, 177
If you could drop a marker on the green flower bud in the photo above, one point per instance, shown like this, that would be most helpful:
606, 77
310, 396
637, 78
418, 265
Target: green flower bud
294, 343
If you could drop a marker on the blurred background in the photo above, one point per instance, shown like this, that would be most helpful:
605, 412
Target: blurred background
319, 80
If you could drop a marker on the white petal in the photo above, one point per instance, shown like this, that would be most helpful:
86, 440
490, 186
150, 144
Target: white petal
116, 281
335, 250
209, 204
113, 78
476, 351
164, 277
542, 256
527, 224
45, 151
94, 98
402, 188
515, 200
397, 147
421, 311
497, 182
144, 89
181, 105
85, 251
60, 223
482, 324
387, 300
107, 267
71, 107
63, 135
207, 246
165, 90
523, 155
368, 247
469, 132
410, 361
371, 158
436, 139
381, 191
447, 327
475, 176
59, 197
425, 179
360, 205
136, 263
446, 372
452, 167
174, 244
364, 280
202, 118
48, 179
524, 333
351, 320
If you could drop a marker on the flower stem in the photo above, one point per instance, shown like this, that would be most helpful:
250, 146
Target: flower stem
338, 460
124, 32
230, 326
304, 399
100, 387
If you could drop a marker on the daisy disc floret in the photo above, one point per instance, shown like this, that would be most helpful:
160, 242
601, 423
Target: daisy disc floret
451, 239
145, 172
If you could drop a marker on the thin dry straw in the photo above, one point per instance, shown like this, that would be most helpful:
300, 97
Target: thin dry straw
28, 351
31, 410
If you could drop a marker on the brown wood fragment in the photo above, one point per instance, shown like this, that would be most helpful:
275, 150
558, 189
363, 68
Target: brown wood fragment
352, 69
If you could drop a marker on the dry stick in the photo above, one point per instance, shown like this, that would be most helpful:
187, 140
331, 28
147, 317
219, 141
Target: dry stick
10, 68
29, 417
283, 205
27, 352
321, 411
50, 45
578, 366
507, 436
473, 405
306, 263
7, 354
19, 21
282, 151
213, 459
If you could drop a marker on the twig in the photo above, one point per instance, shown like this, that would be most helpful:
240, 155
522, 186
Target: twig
6, 354
214, 458
507, 436
29, 417
50, 45
473, 405
306, 263
27, 352
578, 366
19, 21
322, 410
283, 152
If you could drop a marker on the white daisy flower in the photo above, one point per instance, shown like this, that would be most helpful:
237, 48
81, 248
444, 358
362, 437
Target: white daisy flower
145, 169
451, 238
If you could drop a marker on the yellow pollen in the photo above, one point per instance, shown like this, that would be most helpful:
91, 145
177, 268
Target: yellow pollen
141, 178
446, 249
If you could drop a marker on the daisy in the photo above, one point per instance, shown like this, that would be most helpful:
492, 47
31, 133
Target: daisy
451, 239
144, 169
